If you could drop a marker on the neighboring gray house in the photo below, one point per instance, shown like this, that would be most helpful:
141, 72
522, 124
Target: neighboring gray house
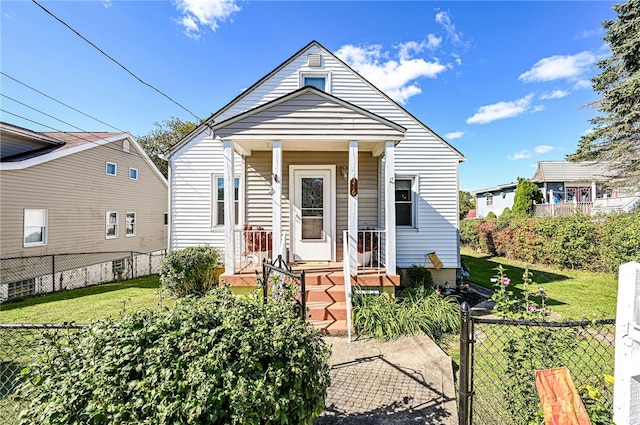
310, 153
566, 187
494, 199
70, 193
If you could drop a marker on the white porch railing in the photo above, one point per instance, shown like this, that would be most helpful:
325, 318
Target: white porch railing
561, 208
253, 244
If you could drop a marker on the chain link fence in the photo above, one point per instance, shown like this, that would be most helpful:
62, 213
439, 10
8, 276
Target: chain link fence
25, 276
504, 355
18, 346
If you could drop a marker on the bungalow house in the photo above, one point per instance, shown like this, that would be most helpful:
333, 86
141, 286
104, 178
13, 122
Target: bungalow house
566, 187
316, 164
87, 196
494, 199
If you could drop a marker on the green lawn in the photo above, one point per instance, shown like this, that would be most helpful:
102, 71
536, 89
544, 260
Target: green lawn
572, 293
86, 304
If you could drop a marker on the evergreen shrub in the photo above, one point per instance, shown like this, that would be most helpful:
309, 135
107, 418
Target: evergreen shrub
190, 271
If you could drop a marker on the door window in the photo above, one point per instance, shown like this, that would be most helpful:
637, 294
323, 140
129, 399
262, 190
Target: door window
312, 208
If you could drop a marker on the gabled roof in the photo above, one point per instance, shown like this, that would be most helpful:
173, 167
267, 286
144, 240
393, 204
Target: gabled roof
567, 171
211, 120
498, 188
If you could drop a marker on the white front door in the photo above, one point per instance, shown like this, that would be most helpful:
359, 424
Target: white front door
312, 190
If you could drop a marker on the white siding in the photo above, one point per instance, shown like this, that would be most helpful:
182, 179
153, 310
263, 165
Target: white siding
421, 154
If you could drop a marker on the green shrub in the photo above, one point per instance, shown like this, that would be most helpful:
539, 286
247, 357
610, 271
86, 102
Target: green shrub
573, 244
526, 195
469, 235
619, 239
491, 216
218, 359
190, 271
485, 229
417, 277
415, 312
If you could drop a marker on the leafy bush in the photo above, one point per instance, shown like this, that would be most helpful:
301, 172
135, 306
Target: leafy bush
574, 242
491, 216
619, 239
527, 193
190, 271
218, 359
469, 235
417, 277
416, 311
485, 230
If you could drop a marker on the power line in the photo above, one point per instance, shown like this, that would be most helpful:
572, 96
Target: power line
60, 102
61, 131
114, 60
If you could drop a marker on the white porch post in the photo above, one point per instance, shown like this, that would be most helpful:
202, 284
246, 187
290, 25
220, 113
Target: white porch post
229, 208
276, 196
390, 208
353, 208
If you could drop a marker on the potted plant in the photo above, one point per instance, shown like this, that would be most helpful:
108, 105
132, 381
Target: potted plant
258, 242
367, 244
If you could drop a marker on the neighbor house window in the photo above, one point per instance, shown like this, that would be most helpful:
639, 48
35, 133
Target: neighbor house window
133, 173
112, 224
112, 169
22, 288
489, 198
218, 199
405, 209
130, 224
35, 227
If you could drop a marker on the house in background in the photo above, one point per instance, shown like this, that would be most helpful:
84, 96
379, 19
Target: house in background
494, 199
567, 187
74, 193
324, 165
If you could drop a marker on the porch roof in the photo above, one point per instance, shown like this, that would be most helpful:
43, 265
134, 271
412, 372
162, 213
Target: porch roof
308, 119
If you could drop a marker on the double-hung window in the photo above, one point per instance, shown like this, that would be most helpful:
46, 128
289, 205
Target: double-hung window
489, 199
35, 227
111, 169
112, 225
405, 202
130, 224
218, 200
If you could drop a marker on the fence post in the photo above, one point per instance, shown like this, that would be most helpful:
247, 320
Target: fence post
53, 273
464, 393
303, 296
626, 387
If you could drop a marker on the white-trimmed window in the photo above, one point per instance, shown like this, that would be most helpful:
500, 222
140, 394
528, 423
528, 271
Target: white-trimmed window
133, 173
319, 80
35, 227
218, 200
130, 224
489, 199
405, 202
111, 169
112, 225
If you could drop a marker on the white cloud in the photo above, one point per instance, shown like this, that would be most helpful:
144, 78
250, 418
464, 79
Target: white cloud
520, 155
408, 49
397, 78
582, 84
197, 14
538, 108
454, 135
587, 33
488, 113
570, 67
542, 149
555, 94
444, 19
106, 4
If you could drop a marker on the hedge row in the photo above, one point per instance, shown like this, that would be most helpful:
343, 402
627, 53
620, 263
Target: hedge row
576, 241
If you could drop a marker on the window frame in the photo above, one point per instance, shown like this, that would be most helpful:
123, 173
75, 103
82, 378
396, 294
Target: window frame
126, 224
115, 169
131, 169
44, 228
488, 199
218, 222
107, 224
414, 195
316, 74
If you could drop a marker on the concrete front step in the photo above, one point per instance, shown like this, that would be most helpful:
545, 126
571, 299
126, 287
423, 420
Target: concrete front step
329, 293
326, 311
330, 327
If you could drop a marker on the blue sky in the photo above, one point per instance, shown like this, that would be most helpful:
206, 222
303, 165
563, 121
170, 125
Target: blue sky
506, 83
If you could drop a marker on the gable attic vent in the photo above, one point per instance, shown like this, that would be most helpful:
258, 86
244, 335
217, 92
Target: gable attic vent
314, 60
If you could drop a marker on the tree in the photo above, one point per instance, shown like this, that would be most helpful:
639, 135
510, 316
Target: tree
615, 138
166, 134
467, 202
527, 192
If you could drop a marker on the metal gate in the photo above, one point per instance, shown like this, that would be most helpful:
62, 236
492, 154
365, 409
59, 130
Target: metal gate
278, 280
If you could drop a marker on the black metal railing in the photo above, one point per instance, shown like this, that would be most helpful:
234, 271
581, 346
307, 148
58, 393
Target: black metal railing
18, 348
498, 360
277, 277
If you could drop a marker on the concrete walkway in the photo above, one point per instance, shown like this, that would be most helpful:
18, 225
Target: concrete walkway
405, 381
